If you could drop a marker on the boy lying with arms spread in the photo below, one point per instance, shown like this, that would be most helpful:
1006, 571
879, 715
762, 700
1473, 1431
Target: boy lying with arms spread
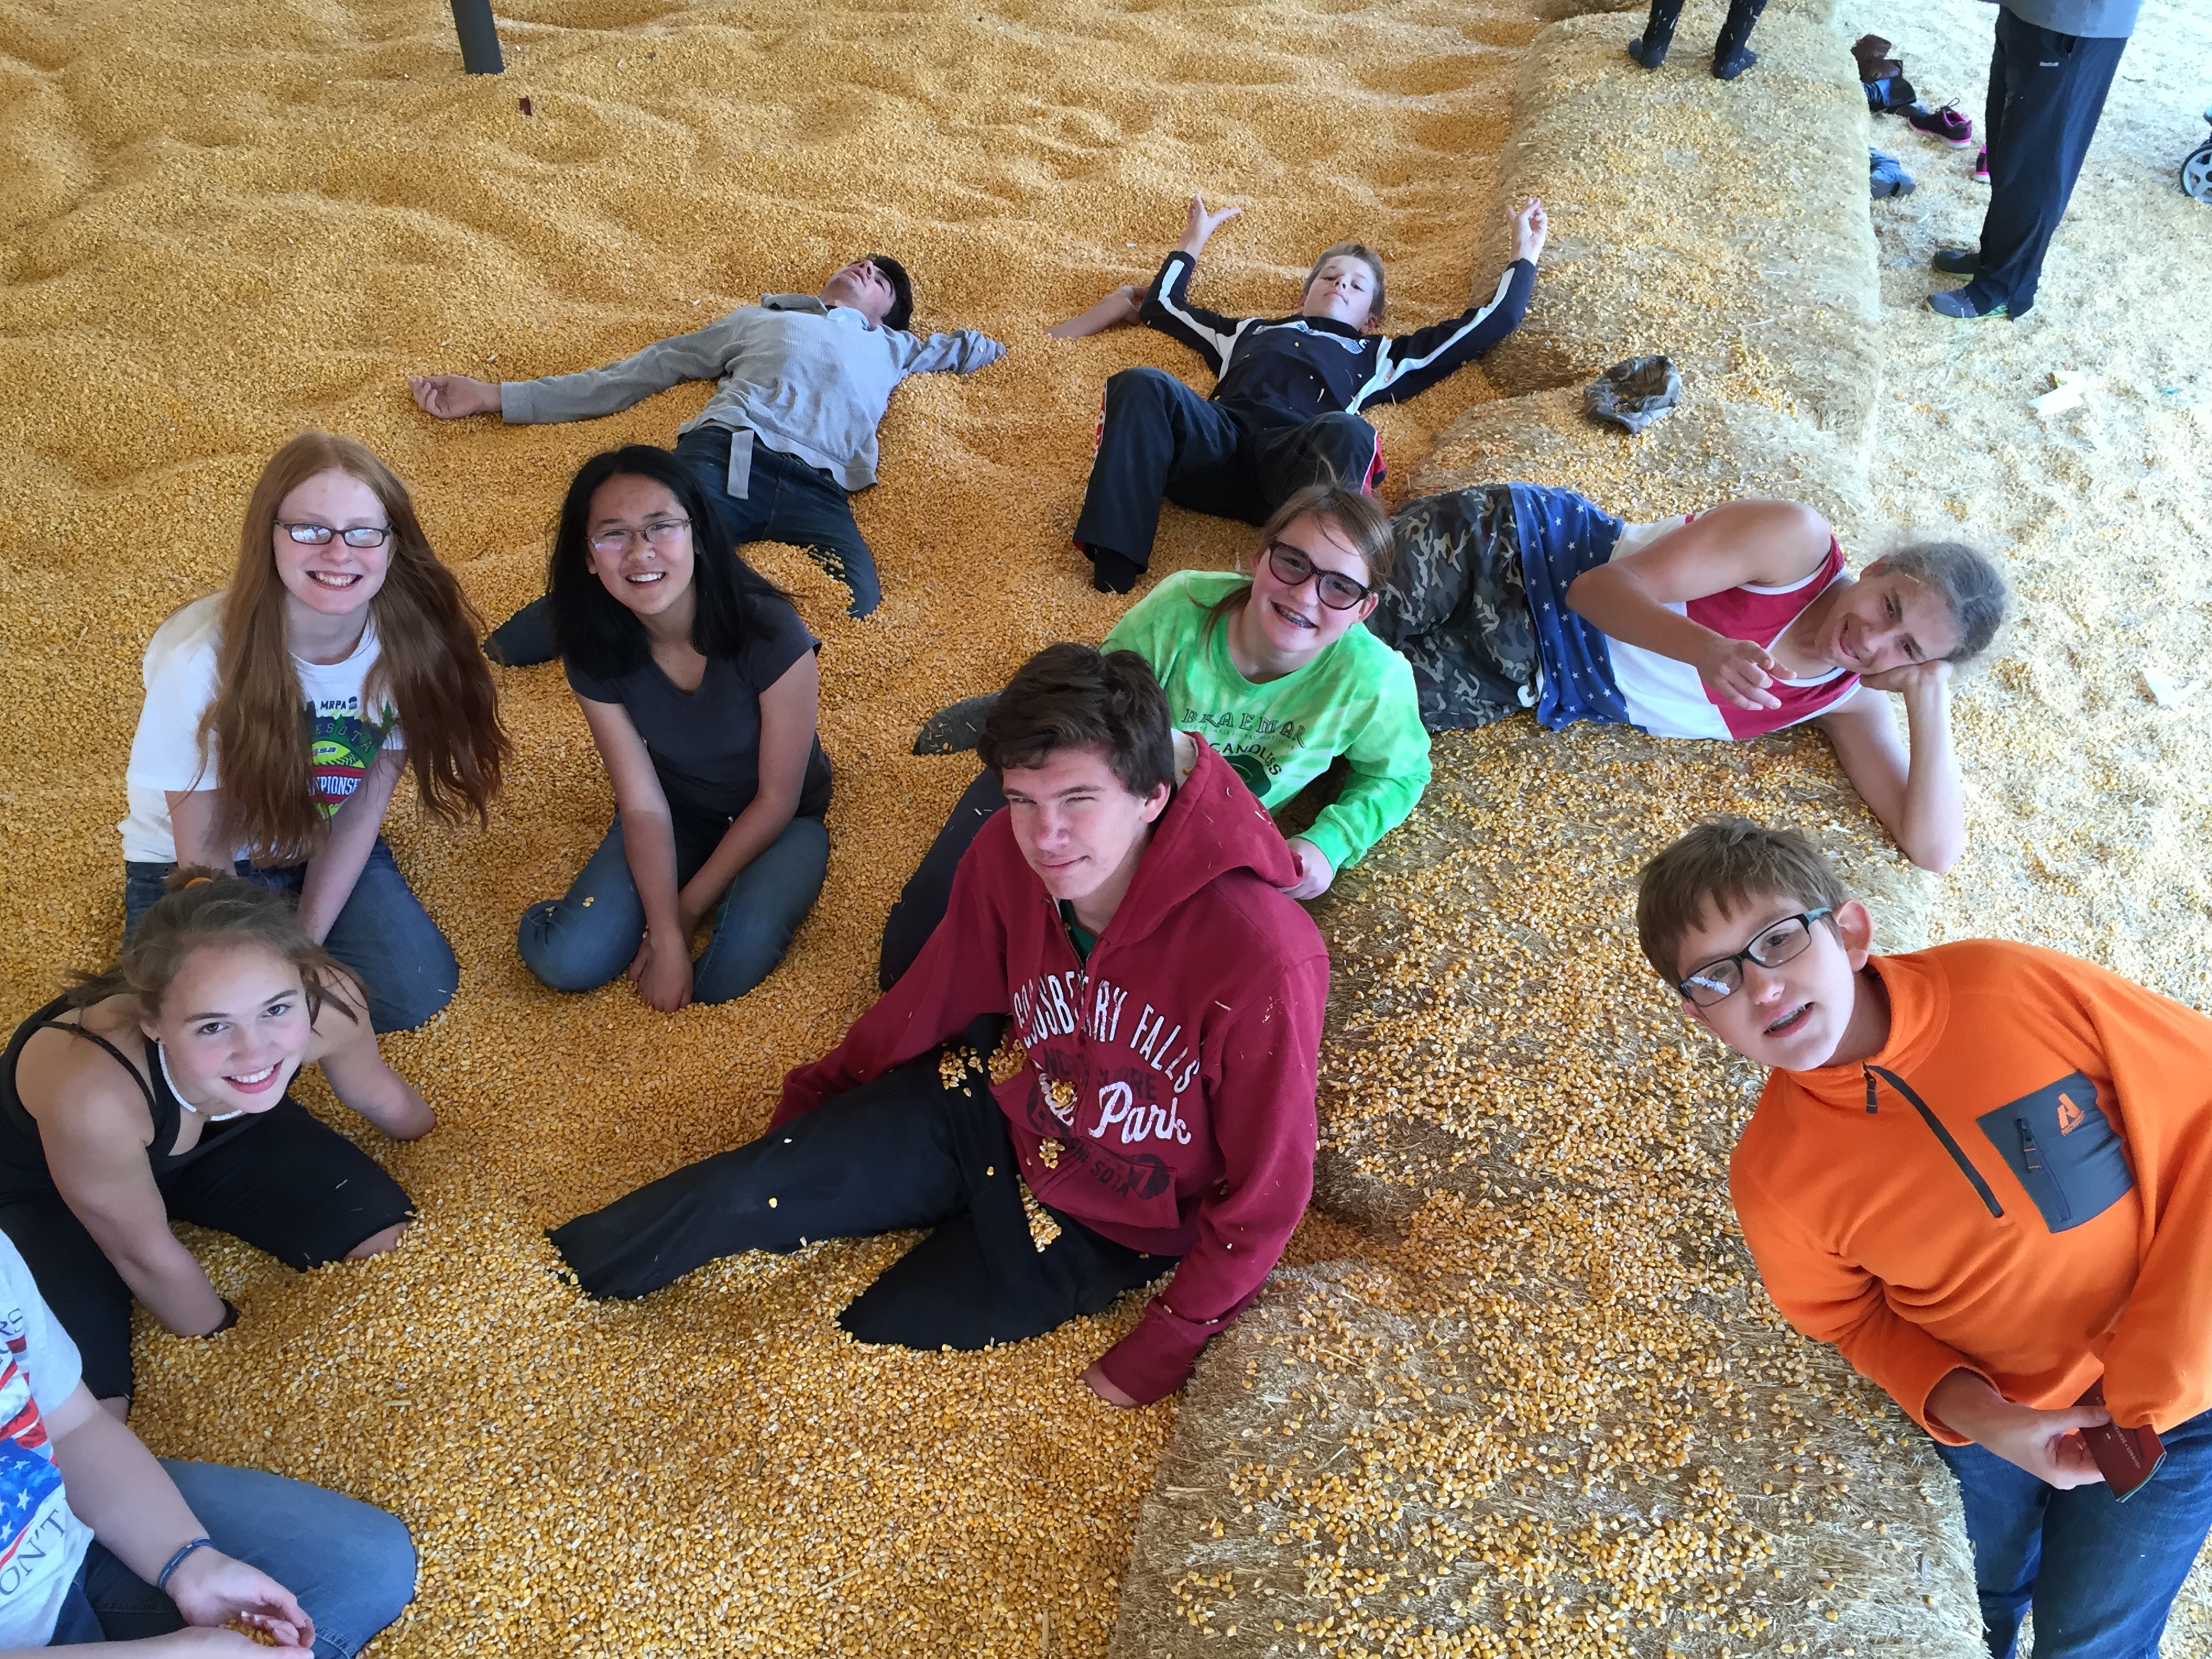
1984, 1171
1285, 409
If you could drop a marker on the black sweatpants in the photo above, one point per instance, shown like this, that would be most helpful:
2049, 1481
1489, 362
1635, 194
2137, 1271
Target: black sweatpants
903, 1151
928, 892
2046, 93
284, 1182
1158, 439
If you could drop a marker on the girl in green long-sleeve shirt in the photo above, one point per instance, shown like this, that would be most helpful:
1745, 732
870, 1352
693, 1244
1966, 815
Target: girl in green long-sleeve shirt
1278, 674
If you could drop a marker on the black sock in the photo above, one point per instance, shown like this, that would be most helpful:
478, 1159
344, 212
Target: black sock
1110, 573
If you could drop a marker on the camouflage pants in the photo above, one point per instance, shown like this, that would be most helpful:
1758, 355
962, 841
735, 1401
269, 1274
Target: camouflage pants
1457, 607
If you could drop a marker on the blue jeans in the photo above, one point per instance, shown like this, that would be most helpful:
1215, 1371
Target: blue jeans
382, 933
587, 936
785, 501
2102, 1575
351, 1566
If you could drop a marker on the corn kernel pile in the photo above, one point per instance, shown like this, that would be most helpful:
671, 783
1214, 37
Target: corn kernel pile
1514, 1424
228, 221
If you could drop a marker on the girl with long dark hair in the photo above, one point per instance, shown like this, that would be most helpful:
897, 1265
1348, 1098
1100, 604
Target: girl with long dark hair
281, 712
698, 681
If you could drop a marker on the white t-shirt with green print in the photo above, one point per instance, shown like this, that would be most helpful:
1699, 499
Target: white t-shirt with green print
179, 674
1356, 699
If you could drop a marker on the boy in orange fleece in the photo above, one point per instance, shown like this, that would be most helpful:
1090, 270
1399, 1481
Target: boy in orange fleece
1984, 1171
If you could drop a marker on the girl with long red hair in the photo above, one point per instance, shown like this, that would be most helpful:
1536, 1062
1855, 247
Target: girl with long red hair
281, 712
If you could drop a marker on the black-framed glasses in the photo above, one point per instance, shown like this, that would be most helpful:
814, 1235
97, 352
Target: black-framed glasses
1338, 590
661, 532
1777, 943
318, 535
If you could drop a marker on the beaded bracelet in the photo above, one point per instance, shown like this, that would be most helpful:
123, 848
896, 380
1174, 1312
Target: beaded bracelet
203, 1542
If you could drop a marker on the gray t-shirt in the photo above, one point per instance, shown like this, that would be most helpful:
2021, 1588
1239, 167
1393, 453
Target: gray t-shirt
706, 744
2099, 20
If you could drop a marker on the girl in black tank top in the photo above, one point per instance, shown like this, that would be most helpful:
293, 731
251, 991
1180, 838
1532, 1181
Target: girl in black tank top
172, 1072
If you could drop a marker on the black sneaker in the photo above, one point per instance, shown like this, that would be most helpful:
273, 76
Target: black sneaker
1958, 261
1954, 303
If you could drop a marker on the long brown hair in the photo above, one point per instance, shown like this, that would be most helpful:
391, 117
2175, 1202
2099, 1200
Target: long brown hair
427, 664
204, 906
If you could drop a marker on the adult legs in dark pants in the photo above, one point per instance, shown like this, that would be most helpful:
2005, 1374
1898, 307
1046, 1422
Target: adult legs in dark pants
1158, 439
785, 500
922, 903
904, 1152
2101, 1575
2046, 94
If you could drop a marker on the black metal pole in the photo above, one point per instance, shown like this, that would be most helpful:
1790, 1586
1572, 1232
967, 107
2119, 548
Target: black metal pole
479, 37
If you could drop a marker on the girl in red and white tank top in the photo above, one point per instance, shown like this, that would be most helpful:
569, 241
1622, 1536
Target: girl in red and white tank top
1742, 620
1668, 697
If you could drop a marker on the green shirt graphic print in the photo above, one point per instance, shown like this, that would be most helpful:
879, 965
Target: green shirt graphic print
343, 748
1356, 699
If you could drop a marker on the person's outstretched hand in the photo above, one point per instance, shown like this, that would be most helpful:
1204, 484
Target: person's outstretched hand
1200, 225
1530, 227
450, 397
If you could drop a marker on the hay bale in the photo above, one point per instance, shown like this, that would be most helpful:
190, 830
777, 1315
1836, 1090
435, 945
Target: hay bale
1723, 224
1366, 1467
1431, 935
1541, 1406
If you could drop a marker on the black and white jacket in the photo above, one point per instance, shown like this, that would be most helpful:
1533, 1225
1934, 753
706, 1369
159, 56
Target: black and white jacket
1293, 368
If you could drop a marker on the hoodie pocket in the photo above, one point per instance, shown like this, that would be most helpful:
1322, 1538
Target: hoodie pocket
2064, 1150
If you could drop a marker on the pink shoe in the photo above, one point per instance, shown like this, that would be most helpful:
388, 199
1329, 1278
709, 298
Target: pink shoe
1982, 165
1946, 124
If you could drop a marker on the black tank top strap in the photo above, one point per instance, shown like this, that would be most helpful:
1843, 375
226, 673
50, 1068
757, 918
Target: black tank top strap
20, 1147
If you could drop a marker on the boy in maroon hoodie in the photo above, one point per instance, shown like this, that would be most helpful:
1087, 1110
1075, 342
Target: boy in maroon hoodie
1154, 1101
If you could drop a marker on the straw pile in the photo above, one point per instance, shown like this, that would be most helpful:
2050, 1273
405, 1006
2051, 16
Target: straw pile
1557, 1416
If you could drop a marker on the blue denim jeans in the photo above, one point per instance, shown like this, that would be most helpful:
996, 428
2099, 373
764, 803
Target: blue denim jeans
382, 933
2101, 1575
351, 1566
785, 501
587, 937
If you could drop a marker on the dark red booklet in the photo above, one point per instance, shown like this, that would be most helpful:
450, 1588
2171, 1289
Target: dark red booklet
2126, 1457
